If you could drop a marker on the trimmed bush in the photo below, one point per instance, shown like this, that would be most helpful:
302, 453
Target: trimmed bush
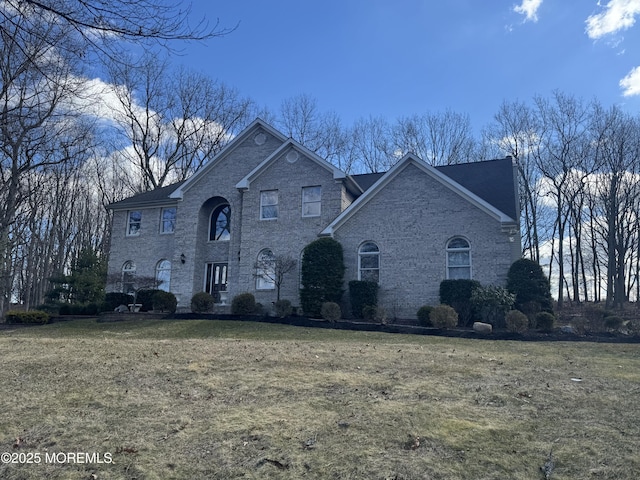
492, 303
115, 299
361, 294
516, 321
243, 304
283, 308
444, 316
32, 316
164, 301
145, 298
457, 294
545, 321
380, 315
529, 284
423, 315
613, 322
79, 309
369, 312
331, 312
322, 275
202, 302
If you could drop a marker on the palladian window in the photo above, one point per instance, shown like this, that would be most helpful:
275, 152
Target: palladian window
458, 259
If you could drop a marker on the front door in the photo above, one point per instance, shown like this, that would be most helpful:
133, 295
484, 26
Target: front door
216, 279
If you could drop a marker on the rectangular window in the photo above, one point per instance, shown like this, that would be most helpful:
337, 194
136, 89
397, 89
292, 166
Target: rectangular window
311, 201
168, 221
269, 205
134, 222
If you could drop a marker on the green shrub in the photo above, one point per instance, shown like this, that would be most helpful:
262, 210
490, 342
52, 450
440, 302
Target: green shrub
32, 316
380, 315
113, 300
492, 303
361, 294
545, 321
369, 312
79, 309
444, 316
322, 274
283, 308
423, 315
457, 294
202, 302
243, 304
516, 321
331, 312
164, 301
528, 282
613, 322
145, 299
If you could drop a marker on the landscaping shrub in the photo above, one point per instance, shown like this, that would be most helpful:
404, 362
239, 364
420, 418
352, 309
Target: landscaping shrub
369, 312
528, 282
164, 301
78, 309
145, 299
380, 315
361, 294
457, 294
32, 316
331, 312
545, 321
202, 302
423, 315
516, 321
322, 274
243, 304
492, 303
283, 308
113, 300
444, 316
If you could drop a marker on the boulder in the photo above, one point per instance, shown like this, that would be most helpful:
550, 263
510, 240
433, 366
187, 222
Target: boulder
482, 328
121, 309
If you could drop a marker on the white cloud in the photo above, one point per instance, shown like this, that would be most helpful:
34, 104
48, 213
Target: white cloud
618, 15
631, 83
529, 8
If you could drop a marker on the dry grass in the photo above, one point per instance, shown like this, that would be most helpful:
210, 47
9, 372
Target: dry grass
209, 400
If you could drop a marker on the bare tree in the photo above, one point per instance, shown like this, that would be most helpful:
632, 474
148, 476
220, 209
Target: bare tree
274, 269
371, 146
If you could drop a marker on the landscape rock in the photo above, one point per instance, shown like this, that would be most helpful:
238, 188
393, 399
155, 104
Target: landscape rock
483, 328
121, 309
567, 329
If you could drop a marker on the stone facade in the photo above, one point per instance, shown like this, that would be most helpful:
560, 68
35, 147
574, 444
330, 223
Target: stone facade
411, 213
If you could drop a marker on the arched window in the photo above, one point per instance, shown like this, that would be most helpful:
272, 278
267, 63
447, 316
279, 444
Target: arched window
265, 270
128, 277
163, 275
369, 262
220, 224
458, 259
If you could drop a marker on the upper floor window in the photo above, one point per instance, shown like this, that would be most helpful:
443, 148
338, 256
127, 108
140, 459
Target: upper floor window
163, 275
134, 222
269, 205
265, 270
220, 224
311, 201
369, 262
168, 220
458, 259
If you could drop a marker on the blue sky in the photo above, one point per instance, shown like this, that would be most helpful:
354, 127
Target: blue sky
364, 58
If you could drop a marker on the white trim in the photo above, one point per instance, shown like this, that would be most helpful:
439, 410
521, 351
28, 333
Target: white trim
303, 203
453, 250
128, 223
377, 253
162, 232
277, 204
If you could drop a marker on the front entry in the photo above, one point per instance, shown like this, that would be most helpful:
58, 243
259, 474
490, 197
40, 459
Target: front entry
215, 281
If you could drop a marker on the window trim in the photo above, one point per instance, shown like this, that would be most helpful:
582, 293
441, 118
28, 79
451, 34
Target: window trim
449, 250
129, 233
319, 202
128, 267
269, 284
159, 283
262, 204
163, 231
361, 253
217, 211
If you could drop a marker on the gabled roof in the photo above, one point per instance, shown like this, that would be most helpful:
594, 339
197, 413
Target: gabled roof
435, 174
157, 197
257, 123
291, 146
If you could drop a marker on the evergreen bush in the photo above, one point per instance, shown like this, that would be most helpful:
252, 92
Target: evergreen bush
113, 300
361, 294
545, 321
164, 301
322, 275
457, 294
516, 321
444, 316
331, 312
145, 298
243, 304
423, 315
202, 302
283, 308
528, 282
492, 303
32, 316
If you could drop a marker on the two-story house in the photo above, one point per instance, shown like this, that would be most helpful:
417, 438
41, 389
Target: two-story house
266, 195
